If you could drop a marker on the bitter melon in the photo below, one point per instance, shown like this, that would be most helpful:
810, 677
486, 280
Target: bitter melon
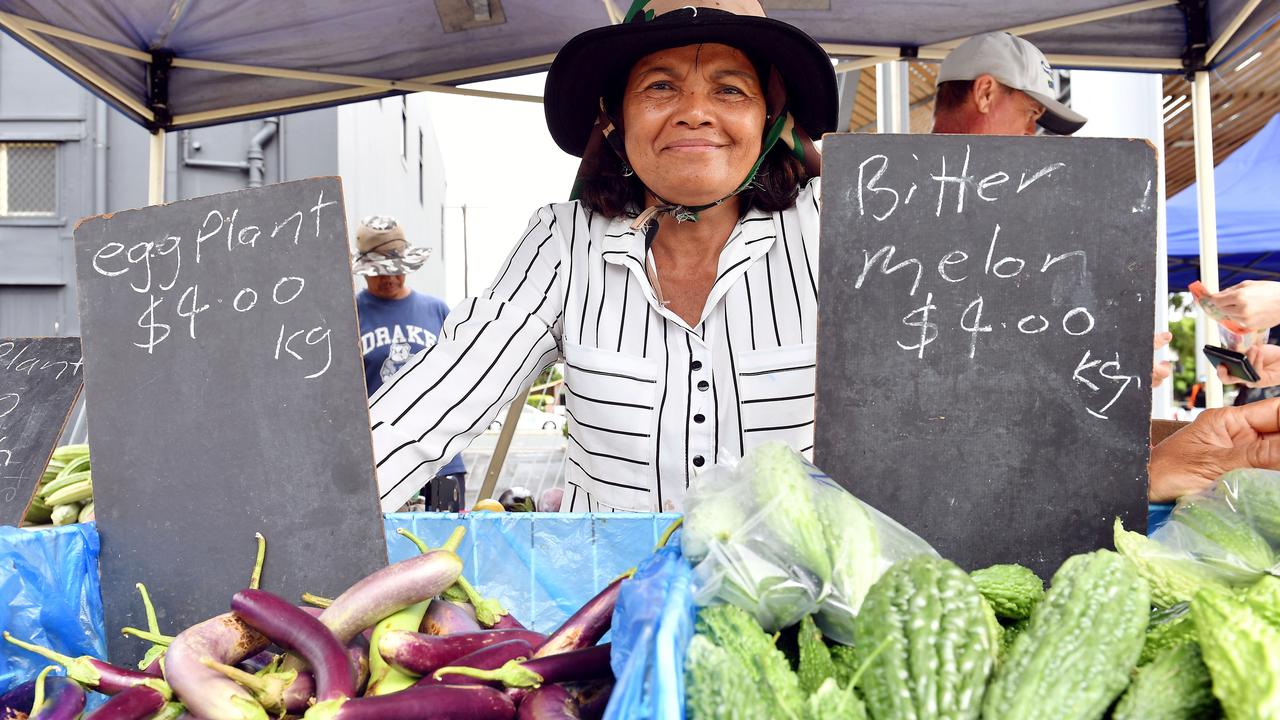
1256, 493
1243, 548
1084, 639
1173, 576
1174, 686
1012, 590
1242, 651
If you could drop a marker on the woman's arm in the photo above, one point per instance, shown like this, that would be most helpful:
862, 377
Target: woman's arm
490, 349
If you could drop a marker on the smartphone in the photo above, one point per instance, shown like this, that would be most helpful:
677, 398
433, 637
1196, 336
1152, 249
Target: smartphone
1235, 363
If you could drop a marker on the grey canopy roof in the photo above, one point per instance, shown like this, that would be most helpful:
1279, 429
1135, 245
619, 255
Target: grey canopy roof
185, 63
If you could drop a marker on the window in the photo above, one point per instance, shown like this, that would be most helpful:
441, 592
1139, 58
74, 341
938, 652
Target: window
422, 168
28, 179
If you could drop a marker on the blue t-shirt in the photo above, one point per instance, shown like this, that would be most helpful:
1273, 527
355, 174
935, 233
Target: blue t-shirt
391, 332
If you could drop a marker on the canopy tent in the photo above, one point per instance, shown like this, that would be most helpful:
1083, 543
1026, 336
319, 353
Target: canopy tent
171, 64
1248, 216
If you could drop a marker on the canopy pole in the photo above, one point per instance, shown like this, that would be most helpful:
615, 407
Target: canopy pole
1202, 122
1230, 30
155, 186
893, 111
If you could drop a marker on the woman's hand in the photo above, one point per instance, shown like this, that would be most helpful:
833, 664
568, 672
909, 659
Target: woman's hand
1265, 359
1218, 440
1254, 304
1162, 369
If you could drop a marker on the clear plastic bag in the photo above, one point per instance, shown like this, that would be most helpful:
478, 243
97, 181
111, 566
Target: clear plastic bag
778, 538
1229, 533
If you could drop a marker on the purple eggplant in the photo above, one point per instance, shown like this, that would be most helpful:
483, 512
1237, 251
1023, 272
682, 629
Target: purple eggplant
390, 590
258, 662
508, 622
208, 693
57, 698
585, 627
439, 702
16, 703
592, 698
88, 671
358, 656
135, 703
549, 702
490, 658
296, 631
448, 618
422, 654
574, 666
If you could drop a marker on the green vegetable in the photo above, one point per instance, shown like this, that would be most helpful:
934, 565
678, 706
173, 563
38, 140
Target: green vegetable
1012, 590
710, 520
938, 649
1265, 598
63, 480
997, 631
86, 513
1011, 633
1256, 493
781, 484
1084, 638
855, 558
1242, 651
845, 658
1174, 686
1243, 547
815, 666
720, 686
73, 493
1172, 577
65, 514
38, 513
1167, 635
741, 636
831, 701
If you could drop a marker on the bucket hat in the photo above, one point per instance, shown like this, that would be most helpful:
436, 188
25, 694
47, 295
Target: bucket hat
381, 249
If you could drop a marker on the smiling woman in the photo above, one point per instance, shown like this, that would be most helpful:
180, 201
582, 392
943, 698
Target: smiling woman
678, 286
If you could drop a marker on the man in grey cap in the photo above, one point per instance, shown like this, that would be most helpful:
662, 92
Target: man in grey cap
397, 323
999, 84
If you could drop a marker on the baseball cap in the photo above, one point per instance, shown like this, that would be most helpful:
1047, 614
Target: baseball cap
1017, 64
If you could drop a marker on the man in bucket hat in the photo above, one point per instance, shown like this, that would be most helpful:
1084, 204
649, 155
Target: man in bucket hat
396, 323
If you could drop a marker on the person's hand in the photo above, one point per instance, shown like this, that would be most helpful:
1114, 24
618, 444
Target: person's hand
1254, 304
1265, 359
1162, 369
1218, 440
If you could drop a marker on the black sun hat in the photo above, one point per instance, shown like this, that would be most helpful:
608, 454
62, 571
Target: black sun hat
583, 69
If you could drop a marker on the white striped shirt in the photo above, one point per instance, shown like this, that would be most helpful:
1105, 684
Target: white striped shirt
651, 402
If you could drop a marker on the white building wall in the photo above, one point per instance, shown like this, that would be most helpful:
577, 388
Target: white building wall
390, 163
1130, 105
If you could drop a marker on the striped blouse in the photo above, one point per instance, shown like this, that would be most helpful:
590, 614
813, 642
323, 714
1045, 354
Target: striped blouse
651, 401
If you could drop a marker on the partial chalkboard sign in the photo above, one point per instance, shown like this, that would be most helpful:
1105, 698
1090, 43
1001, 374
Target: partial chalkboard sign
226, 396
40, 380
984, 350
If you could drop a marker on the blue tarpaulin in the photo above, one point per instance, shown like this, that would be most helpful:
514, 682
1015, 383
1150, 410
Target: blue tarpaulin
1248, 216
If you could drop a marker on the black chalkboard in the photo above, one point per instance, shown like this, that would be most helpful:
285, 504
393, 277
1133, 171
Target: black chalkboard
226, 396
39, 382
984, 349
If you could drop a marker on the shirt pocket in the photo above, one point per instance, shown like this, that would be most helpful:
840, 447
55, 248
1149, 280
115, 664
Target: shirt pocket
776, 389
610, 402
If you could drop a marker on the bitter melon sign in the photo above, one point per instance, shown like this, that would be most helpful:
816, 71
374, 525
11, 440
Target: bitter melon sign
226, 397
984, 355
40, 379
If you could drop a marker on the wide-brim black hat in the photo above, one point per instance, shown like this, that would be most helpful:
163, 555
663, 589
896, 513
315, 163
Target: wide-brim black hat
584, 67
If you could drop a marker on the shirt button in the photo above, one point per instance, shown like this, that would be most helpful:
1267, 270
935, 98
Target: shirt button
703, 385
698, 461
696, 365
699, 418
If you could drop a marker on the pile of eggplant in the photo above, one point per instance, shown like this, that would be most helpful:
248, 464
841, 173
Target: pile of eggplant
413, 640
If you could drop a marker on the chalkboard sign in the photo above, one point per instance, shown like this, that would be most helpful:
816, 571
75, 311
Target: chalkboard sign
984, 349
39, 382
226, 396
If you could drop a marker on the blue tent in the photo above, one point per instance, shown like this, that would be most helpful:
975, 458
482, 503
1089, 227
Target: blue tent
1248, 216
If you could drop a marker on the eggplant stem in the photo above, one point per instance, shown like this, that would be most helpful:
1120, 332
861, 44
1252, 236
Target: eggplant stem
857, 675
44, 652
153, 625
666, 534
422, 547
255, 684
487, 610
153, 638
39, 697
316, 600
170, 711
255, 578
512, 674
451, 544
155, 653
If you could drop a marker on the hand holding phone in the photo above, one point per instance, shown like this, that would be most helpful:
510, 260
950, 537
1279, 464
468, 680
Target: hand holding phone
1236, 363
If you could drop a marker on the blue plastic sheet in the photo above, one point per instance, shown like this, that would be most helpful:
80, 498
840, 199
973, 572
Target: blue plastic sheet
49, 595
652, 625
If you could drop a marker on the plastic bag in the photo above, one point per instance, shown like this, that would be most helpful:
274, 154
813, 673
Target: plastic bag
652, 625
778, 538
49, 595
1230, 532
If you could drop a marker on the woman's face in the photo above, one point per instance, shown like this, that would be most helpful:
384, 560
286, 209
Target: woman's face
693, 120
